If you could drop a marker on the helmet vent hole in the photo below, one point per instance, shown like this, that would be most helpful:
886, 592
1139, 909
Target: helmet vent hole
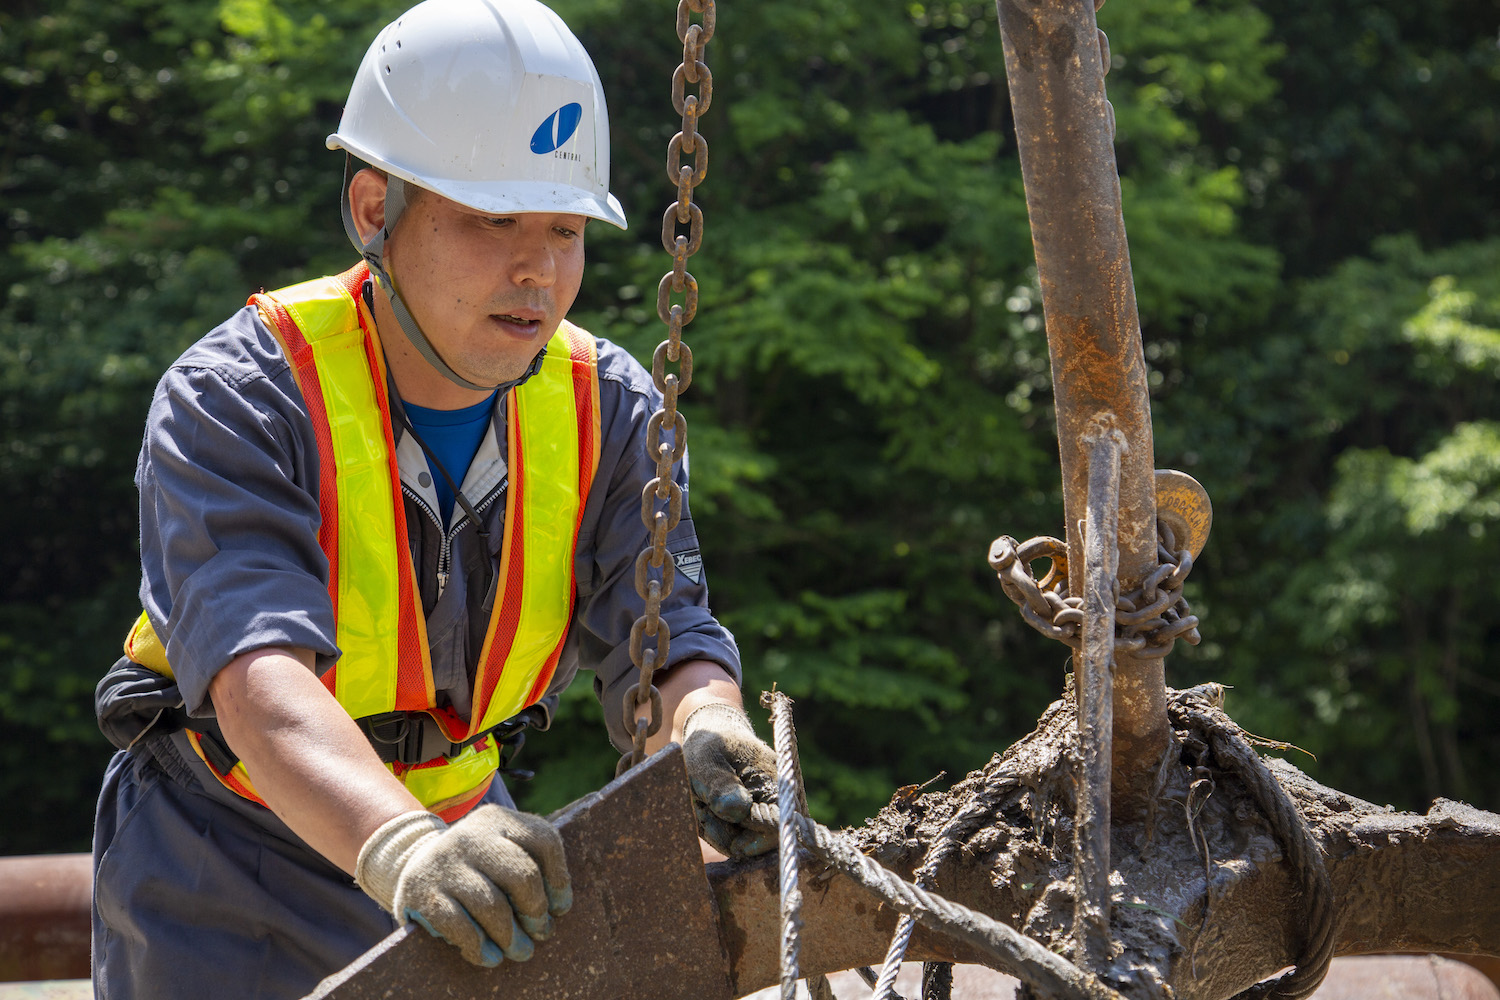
387, 69
398, 43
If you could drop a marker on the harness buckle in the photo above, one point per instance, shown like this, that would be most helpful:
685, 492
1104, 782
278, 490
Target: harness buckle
412, 738
408, 738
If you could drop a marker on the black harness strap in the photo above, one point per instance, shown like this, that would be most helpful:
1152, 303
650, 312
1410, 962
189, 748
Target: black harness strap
407, 738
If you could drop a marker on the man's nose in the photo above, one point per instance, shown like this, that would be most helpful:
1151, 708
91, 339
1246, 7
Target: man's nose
533, 263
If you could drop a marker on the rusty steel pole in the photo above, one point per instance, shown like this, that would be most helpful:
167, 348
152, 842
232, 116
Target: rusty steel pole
1055, 61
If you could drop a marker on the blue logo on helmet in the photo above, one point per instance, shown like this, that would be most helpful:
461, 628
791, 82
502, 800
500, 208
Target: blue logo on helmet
557, 129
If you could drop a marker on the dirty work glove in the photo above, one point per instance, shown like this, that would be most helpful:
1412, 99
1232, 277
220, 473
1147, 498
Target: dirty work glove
489, 884
729, 768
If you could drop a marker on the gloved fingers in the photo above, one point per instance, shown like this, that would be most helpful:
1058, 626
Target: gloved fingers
514, 870
728, 772
499, 927
442, 917
539, 929
733, 839
716, 831
750, 843
489, 907
723, 794
760, 785
551, 889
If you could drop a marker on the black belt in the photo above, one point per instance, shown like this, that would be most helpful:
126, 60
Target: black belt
408, 738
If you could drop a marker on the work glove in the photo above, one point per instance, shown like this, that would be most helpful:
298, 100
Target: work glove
489, 884
729, 769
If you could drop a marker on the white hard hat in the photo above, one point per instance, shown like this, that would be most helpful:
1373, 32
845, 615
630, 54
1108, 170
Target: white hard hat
492, 103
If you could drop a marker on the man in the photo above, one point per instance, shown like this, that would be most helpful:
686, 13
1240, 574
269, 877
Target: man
384, 517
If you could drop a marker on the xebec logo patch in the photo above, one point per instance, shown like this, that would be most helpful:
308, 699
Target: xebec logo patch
689, 564
557, 129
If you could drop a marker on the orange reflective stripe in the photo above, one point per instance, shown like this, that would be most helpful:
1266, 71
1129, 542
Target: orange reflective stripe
553, 441
414, 683
305, 370
584, 356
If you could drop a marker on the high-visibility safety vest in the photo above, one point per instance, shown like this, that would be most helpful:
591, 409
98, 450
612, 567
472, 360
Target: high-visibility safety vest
552, 433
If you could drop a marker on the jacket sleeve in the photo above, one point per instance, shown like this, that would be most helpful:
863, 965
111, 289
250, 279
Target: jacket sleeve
229, 511
611, 537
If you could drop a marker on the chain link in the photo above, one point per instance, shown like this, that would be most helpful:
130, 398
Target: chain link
654, 570
1148, 620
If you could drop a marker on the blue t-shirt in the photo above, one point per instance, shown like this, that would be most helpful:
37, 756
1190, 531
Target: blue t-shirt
453, 436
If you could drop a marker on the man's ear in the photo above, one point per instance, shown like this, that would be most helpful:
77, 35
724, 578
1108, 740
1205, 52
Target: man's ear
367, 202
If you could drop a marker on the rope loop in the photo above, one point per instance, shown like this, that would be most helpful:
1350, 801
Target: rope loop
1200, 711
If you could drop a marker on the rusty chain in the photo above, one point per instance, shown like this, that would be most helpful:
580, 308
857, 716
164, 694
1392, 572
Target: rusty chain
1148, 620
663, 491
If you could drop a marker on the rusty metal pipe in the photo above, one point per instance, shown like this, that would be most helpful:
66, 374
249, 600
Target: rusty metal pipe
1065, 136
44, 917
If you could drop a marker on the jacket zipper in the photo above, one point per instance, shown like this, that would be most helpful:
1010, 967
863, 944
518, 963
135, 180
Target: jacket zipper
445, 556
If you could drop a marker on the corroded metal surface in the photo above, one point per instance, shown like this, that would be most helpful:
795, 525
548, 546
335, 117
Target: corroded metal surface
642, 922
1182, 502
44, 916
1055, 65
1065, 138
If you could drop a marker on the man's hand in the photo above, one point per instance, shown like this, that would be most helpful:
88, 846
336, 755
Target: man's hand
729, 768
489, 884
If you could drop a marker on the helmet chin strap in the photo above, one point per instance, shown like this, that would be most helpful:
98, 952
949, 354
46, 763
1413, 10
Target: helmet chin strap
373, 251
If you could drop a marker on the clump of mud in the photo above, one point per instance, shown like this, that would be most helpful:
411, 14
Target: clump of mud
1001, 841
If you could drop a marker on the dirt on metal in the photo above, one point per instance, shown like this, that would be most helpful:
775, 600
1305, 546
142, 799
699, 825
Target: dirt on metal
1019, 866
1185, 924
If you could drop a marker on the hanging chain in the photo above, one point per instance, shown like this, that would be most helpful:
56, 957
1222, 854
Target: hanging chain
663, 491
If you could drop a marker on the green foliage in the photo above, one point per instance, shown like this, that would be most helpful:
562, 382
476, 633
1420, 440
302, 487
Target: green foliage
1386, 120
1405, 584
1376, 471
871, 402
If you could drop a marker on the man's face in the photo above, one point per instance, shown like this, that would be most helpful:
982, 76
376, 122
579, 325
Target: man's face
488, 290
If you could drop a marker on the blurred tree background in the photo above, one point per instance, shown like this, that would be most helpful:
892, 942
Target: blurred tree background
1311, 197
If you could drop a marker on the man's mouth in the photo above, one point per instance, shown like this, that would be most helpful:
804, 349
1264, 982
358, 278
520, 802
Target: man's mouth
523, 323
